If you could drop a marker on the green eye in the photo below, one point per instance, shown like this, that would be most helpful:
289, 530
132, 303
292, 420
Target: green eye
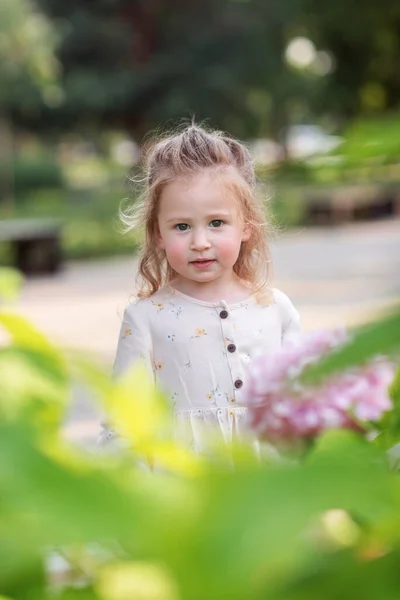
216, 223
182, 227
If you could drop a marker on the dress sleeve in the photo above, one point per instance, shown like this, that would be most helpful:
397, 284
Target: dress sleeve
291, 325
134, 344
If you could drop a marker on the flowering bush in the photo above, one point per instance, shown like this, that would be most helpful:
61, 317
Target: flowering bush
282, 409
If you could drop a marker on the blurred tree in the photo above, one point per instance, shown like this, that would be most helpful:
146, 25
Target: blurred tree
363, 37
28, 67
136, 63
141, 63
28, 74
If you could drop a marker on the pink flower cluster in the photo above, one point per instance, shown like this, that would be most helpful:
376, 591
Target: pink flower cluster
281, 409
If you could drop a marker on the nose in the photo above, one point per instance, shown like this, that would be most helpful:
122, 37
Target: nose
199, 241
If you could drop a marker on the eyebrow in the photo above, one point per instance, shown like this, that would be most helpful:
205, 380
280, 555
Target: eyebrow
210, 217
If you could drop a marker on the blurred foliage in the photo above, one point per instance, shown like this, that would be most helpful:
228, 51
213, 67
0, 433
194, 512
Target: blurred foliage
131, 64
369, 152
286, 207
29, 174
365, 166
78, 526
91, 227
363, 39
372, 141
28, 67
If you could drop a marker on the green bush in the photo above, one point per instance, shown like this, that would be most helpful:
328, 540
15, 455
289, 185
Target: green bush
293, 171
287, 207
34, 173
95, 238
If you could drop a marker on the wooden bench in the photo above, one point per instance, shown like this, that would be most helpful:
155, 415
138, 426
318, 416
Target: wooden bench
350, 203
36, 244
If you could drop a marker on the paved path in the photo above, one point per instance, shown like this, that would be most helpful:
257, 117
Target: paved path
334, 276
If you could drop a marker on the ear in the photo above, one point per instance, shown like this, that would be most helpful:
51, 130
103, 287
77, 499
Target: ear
246, 233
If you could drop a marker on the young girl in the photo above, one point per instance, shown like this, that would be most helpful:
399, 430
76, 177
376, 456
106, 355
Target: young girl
204, 306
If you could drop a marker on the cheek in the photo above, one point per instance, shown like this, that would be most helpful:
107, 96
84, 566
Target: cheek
229, 248
175, 250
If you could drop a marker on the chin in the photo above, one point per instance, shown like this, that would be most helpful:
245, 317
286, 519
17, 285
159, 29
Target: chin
208, 279
200, 276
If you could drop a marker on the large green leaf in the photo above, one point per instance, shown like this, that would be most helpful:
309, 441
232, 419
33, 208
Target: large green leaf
390, 423
32, 381
345, 576
10, 283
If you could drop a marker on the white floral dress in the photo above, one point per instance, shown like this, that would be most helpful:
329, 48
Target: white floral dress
198, 353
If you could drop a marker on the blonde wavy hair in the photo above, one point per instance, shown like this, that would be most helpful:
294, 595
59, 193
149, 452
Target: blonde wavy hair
183, 154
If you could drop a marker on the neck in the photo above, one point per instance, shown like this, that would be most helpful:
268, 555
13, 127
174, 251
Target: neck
232, 290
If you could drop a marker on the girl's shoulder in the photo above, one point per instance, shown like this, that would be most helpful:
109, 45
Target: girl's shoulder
280, 298
269, 296
284, 304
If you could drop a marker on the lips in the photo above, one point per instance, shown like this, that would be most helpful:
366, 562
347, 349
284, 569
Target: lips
202, 263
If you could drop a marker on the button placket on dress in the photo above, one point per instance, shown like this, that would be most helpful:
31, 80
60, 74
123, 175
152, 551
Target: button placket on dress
232, 355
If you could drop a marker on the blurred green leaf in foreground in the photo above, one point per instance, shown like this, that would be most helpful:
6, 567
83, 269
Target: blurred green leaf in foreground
78, 526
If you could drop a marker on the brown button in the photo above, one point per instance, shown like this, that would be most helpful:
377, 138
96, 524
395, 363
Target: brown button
223, 314
238, 383
231, 348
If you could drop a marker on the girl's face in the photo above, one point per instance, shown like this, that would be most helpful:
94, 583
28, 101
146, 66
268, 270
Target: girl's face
201, 229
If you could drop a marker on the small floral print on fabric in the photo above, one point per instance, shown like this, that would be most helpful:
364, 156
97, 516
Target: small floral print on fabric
171, 337
214, 395
231, 413
158, 305
230, 399
269, 302
173, 398
175, 310
158, 366
127, 332
198, 333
